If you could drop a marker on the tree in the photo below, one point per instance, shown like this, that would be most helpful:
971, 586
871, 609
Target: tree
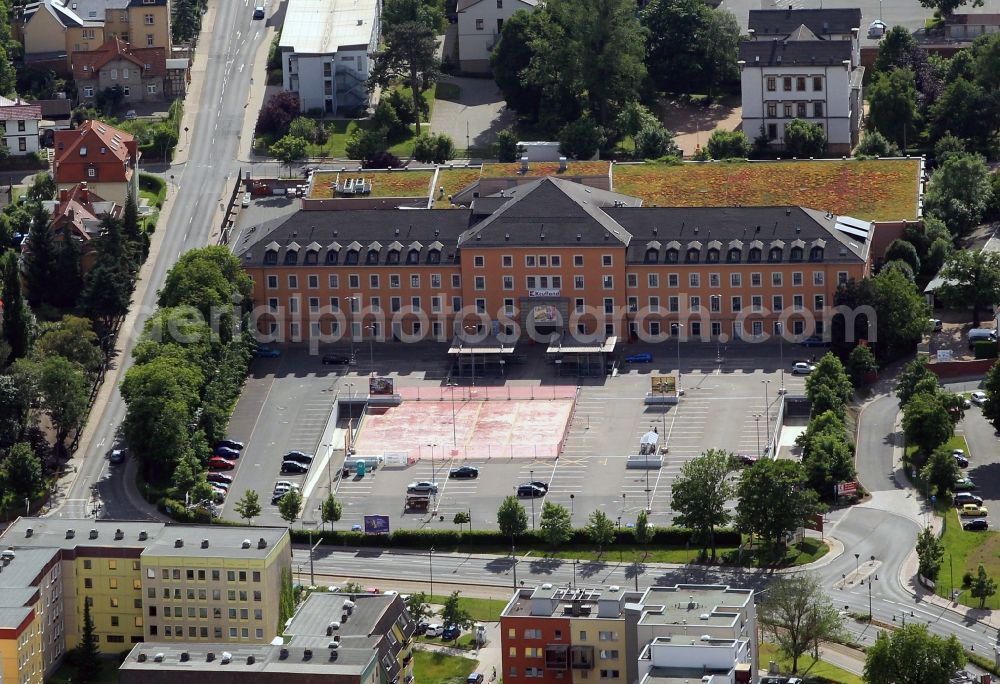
724, 144
430, 147
41, 257
462, 518
209, 278
290, 506
700, 493
248, 507
365, 144
947, 7
306, 128
632, 118
860, 364
910, 655
88, 656
926, 423
131, 228
828, 461
555, 524
511, 57
941, 472
511, 517
600, 530
902, 268
24, 470
277, 113
65, 289
452, 612
418, 607
983, 586
653, 141
580, 139
331, 510
804, 138
289, 150
73, 338
959, 192
930, 552
902, 313
828, 386
643, 531
408, 52
991, 386
913, 374
797, 611
774, 498
65, 394
874, 144
971, 277
16, 319
15, 400
107, 287
963, 107
904, 251
505, 147
892, 105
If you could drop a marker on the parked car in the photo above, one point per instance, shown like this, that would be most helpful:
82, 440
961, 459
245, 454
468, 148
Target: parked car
226, 452
278, 496
963, 498
246, 200
544, 486
451, 632
230, 444
960, 458
219, 463
421, 627
423, 487
978, 398
335, 359
474, 678
976, 525
268, 352
284, 485
964, 485
293, 467
802, 368
258, 12
641, 357
434, 629
530, 491
876, 29
224, 486
936, 324
814, 341
464, 472
218, 495
746, 459
131, 115
220, 478
298, 457
973, 511
117, 456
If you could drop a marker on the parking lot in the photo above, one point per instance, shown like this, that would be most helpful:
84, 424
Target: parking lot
287, 403
984, 457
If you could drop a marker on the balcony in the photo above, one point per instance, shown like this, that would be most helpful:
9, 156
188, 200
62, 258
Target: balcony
581, 657
556, 656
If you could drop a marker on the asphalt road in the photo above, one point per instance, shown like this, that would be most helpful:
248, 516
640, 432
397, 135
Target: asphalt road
200, 185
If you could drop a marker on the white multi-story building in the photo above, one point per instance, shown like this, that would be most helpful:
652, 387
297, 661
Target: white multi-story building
803, 64
479, 25
325, 47
19, 124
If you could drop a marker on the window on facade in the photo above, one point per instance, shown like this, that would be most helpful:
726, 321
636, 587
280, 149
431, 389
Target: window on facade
817, 109
772, 84
652, 255
331, 256
800, 83
816, 254
352, 257
774, 254
796, 254
712, 256
772, 131
737, 304
753, 256
479, 24
772, 110
733, 256
818, 84
786, 83
672, 256
392, 257
653, 279
434, 256
693, 255
776, 278
800, 109
786, 110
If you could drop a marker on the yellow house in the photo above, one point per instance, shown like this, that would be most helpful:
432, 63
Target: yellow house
31, 625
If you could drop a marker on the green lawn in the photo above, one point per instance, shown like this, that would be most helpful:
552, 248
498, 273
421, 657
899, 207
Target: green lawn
956, 442
965, 552
481, 609
806, 552
440, 668
819, 670
465, 642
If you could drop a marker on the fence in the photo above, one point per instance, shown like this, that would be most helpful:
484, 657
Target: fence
489, 393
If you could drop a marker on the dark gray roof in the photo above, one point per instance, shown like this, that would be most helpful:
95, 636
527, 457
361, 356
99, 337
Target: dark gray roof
781, 22
773, 52
552, 211
271, 659
21, 572
802, 33
726, 228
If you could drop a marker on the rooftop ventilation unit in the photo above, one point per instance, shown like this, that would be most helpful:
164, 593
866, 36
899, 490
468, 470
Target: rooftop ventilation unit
251, 660
227, 657
158, 658
93, 534
70, 533
185, 656
28, 532
143, 535
141, 657
119, 535
204, 543
261, 543
178, 543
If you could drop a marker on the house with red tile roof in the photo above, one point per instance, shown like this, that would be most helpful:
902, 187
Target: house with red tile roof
19, 125
139, 72
100, 155
82, 211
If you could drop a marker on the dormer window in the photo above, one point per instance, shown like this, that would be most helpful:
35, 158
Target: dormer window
816, 254
413, 256
392, 257
796, 254
352, 257
733, 257
774, 255
712, 256
693, 256
372, 257
754, 255
672, 256
271, 257
434, 256
312, 257
652, 255
331, 256
291, 257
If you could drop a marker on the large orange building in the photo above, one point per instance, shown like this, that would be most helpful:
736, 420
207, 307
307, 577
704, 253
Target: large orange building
551, 256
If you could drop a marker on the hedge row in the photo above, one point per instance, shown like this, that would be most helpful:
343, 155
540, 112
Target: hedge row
425, 538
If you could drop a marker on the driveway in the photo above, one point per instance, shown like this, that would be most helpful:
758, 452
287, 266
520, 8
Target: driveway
692, 124
474, 116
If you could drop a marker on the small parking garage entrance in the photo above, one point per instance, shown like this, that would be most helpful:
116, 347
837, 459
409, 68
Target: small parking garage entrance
543, 316
582, 359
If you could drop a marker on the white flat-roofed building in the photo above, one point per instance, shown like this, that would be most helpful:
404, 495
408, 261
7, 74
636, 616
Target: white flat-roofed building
325, 47
479, 26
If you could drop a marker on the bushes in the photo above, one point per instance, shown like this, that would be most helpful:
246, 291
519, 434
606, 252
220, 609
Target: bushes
429, 147
155, 185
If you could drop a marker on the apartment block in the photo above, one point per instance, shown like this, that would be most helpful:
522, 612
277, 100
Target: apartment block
331, 639
142, 580
661, 636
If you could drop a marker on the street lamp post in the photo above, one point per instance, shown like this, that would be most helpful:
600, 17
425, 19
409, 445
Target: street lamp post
531, 474
677, 332
857, 564
430, 562
756, 418
870, 580
352, 301
371, 348
473, 329
350, 417
781, 354
433, 471
571, 502
454, 429
513, 555
767, 414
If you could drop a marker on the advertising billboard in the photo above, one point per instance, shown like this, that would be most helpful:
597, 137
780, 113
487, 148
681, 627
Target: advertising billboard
380, 386
376, 524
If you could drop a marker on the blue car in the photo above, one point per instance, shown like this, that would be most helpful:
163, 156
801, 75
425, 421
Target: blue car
641, 357
814, 341
268, 352
226, 452
451, 633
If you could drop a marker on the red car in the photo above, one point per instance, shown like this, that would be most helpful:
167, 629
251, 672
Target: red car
216, 463
220, 478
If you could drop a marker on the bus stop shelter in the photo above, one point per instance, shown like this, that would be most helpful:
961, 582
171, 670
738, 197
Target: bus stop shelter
582, 359
481, 356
